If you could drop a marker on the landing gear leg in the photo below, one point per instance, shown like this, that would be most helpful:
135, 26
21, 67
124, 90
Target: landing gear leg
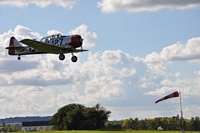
61, 56
19, 57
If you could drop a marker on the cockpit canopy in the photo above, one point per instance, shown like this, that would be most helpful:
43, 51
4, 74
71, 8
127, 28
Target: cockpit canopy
48, 38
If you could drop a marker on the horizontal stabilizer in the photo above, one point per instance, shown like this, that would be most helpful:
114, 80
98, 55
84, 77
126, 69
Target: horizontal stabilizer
15, 47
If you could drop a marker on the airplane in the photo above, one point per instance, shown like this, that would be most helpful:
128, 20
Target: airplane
53, 44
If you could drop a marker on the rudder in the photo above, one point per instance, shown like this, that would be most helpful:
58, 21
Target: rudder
13, 43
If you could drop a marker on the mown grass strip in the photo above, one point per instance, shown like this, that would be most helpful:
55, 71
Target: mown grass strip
93, 131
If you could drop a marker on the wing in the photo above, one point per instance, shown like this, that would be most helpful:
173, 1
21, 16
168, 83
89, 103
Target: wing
42, 47
47, 48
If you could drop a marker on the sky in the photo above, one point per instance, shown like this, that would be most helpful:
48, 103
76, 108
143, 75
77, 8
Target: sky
139, 51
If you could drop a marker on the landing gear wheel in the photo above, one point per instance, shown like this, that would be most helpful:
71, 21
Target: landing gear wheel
74, 58
61, 56
19, 58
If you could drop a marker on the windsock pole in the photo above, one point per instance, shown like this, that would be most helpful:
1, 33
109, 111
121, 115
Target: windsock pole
182, 124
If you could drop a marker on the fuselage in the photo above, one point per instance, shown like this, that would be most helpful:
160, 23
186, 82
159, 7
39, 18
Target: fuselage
63, 42
58, 40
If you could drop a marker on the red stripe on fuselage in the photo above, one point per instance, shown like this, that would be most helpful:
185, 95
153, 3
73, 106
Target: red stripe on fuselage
11, 51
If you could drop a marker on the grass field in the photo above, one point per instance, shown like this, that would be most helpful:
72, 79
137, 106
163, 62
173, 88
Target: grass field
128, 131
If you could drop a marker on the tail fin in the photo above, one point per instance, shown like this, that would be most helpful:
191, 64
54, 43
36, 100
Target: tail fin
13, 44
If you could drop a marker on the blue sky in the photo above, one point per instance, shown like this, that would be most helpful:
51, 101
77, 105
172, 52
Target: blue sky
139, 51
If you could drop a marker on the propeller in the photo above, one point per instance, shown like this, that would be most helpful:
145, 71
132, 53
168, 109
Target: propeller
81, 41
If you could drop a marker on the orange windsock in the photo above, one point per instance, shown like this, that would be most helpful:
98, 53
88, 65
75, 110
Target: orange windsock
172, 95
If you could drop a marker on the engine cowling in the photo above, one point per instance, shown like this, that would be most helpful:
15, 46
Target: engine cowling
76, 41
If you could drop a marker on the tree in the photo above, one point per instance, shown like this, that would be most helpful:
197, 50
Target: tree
113, 125
143, 124
136, 124
195, 123
95, 117
76, 116
128, 124
152, 124
68, 117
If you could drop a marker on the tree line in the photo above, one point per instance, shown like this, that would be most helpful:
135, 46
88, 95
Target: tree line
79, 117
167, 123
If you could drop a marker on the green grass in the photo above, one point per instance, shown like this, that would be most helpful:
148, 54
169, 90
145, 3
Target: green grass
128, 131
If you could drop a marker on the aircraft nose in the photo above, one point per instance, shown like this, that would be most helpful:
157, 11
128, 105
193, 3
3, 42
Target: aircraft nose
76, 41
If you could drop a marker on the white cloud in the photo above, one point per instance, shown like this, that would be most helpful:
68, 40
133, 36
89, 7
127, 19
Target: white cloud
39, 85
20, 32
52, 32
122, 112
108, 6
162, 91
177, 82
177, 52
40, 3
89, 38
